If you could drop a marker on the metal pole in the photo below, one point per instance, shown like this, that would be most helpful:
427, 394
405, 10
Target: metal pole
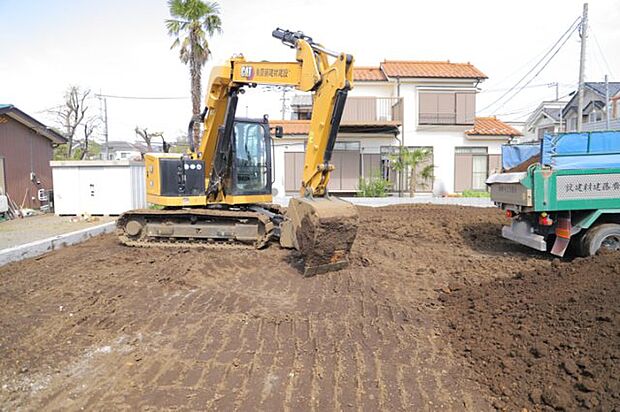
105, 119
402, 143
557, 90
607, 105
582, 61
283, 102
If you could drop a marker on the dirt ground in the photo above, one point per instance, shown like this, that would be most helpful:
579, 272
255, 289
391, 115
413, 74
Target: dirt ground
546, 337
19, 231
99, 325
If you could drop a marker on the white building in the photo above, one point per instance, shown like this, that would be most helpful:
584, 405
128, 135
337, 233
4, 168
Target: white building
413, 103
547, 118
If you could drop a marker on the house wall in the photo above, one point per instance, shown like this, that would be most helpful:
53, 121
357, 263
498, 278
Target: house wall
370, 144
442, 138
614, 124
24, 151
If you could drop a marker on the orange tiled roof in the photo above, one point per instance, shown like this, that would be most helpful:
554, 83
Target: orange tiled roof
292, 126
368, 74
412, 68
396, 68
491, 126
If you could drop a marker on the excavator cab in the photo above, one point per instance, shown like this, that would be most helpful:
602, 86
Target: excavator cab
250, 153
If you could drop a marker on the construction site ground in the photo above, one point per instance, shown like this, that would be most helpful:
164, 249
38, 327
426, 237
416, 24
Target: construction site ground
29, 229
436, 311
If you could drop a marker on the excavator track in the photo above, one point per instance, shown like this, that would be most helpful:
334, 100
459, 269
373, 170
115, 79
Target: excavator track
219, 228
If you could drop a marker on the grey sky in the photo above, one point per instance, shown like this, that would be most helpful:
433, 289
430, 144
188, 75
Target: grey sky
122, 48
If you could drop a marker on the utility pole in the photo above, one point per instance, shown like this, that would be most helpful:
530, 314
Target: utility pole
582, 61
105, 121
401, 142
557, 90
283, 110
607, 105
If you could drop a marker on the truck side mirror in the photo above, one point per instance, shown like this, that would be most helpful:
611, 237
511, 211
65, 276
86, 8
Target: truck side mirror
279, 131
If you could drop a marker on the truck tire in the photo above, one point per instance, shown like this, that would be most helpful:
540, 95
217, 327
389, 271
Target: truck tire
606, 236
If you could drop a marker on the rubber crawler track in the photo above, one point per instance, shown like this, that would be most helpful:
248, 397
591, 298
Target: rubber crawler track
180, 214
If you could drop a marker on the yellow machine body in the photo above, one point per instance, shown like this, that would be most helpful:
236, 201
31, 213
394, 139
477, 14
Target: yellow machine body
221, 190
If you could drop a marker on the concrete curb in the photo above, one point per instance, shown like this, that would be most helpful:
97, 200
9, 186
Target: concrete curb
389, 201
40, 247
421, 200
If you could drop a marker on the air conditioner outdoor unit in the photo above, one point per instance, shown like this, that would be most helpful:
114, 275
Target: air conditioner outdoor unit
42, 195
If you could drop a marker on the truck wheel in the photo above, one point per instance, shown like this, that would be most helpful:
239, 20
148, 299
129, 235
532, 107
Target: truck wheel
605, 236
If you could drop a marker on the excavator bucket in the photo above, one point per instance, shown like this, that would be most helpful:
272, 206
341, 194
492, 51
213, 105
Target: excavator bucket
323, 230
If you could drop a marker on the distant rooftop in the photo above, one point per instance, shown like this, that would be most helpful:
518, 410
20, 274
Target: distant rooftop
599, 87
29, 121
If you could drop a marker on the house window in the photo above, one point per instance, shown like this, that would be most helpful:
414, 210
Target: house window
302, 113
471, 168
595, 116
543, 130
446, 108
572, 124
347, 146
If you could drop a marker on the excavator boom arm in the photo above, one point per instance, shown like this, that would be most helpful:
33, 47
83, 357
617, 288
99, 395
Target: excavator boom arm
310, 72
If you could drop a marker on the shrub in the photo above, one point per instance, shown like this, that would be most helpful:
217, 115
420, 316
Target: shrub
475, 193
375, 186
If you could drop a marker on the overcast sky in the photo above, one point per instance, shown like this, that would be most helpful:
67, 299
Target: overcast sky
122, 48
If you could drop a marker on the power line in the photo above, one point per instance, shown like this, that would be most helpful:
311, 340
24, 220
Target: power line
529, 107
530, 86
111, 96
513, 73
566, 34
600, 50
540, 70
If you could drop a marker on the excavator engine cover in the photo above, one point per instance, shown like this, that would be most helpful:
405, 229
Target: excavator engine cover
323, 230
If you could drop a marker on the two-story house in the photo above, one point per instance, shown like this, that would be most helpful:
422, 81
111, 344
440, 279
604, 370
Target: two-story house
416, 104
594, 112
547, 118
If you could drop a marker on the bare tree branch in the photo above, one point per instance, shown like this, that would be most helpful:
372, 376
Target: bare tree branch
71, 114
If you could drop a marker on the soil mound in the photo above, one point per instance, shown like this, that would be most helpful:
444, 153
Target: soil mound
547, 338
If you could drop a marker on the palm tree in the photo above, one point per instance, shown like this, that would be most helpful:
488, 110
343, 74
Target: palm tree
192, 22
412, 161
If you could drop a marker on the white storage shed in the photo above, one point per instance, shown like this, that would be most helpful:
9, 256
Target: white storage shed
98, 187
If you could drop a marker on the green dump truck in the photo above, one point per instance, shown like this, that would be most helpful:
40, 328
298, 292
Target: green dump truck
560, 192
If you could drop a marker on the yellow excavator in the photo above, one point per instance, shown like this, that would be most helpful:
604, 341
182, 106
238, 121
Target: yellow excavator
220, 194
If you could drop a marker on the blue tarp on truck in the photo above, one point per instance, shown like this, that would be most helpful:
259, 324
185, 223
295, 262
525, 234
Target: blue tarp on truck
586, 150
515, 154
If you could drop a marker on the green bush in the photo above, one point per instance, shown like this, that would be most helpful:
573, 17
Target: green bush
475, 193
375, 186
